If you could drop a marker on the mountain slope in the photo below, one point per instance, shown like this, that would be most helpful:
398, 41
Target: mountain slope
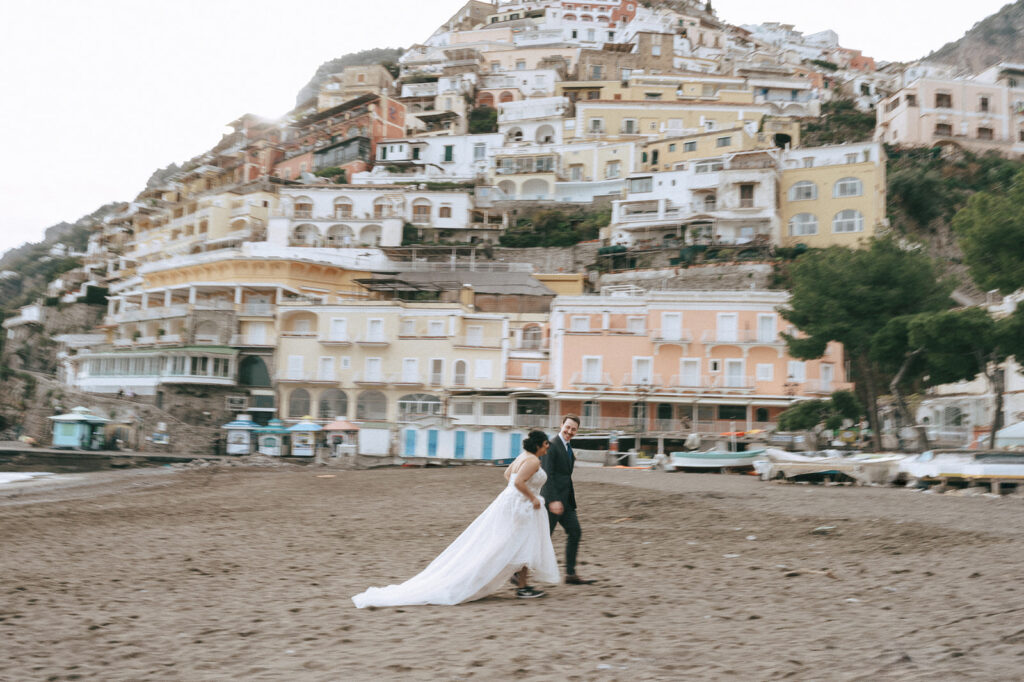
999, 37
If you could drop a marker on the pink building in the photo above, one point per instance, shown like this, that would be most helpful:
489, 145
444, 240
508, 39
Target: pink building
982, 113
672, 362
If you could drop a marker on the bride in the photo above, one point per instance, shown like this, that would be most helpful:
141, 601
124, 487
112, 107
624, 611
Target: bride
509, 539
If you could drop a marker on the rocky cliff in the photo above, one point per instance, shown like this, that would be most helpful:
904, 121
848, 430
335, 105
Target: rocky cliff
997, 38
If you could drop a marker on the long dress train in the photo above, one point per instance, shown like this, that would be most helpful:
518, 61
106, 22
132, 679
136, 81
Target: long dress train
508, 535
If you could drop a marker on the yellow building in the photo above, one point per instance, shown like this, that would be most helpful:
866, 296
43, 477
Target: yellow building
651, 118
833, 195
659, 88
664, 154
185, 223
385, 360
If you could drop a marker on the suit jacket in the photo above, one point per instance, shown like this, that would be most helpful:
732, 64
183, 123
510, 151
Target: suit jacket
558, 465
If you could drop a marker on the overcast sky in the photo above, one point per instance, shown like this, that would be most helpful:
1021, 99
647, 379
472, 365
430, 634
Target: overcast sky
96, 95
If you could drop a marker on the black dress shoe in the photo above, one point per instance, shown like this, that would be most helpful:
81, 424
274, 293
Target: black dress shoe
573, 579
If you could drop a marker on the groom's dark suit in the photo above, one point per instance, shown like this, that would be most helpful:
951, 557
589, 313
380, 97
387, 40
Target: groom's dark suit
558, 464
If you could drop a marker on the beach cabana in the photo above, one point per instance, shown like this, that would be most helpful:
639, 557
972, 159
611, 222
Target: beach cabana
342, 436
1010, 437
79, 429
271, 438
239, 437
304, 437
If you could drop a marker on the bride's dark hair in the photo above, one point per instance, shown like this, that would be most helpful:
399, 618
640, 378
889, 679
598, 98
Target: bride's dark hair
534, 440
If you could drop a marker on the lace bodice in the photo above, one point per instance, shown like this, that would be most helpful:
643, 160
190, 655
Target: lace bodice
535, 483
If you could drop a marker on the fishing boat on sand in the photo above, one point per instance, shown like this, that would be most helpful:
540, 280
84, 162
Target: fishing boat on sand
980, 466
722, 457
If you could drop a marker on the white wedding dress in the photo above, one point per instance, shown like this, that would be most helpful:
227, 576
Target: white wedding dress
508, 535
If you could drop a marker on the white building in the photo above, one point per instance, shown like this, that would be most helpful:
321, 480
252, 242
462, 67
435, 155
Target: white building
722, 200
447, 158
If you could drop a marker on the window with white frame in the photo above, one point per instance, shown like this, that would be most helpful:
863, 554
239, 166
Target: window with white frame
295, 369
459, 373
435, 328
690, 146
805, 190
531, 370
325, 369
643, 370
482, 369
408, 328
629, 126
709, 166
375, 330
462, 408
728, 328
850, 220
641, 185
803, 224
338, 329
848, 187
714, 366
475, 335
346, 362
724, 141
373, 367
495, 409
735, 373
796, 370
596, 125
579, 323
636, 324
410, 370
765, 371
479, 152
689, 372
591, 369
612, 169
436, 371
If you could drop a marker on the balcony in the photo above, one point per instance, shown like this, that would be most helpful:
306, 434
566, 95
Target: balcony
214, 305
293, 333
741, 337
294, 377
407, 379
169, 338
680, 337
257, 310
373, 341
590, 381
141, 314
487, 342
713, 383
641, 380
546, 422
251, 341
372, 379
537, 382
335, 341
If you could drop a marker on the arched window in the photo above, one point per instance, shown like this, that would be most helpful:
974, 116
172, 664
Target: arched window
848, 187
803, 224
515, 135
333, 403
370, 235
421, 212
486, 99
418, 405
533, 336
459, 373
342, 207
305, 235
252, 371
371, 406
710, 202
506, 96
381, 208
545, 134
298, 403
339, 236
303, 207
803, 191
849, 220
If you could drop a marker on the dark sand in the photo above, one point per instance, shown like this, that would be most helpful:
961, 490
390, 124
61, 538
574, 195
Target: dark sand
246, 574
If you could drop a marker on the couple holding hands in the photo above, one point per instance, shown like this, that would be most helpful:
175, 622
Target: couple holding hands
511, 539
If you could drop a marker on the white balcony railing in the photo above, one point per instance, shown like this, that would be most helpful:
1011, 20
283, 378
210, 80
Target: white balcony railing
672, 336
591, 379
641, 379
713, 382
257, 309
742, 336
374, 378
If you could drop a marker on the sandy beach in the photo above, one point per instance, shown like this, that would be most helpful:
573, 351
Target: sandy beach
234, 573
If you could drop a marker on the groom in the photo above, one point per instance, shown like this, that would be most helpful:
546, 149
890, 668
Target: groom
558, 492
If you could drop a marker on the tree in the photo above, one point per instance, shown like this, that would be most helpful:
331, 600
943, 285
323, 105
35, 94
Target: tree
891, 350
849, 295
990, 231
959, 345
807, 415
483, 120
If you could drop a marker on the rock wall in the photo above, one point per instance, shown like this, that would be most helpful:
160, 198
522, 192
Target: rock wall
708, 277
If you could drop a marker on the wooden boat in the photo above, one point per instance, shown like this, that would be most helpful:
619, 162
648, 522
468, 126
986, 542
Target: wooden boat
720, 458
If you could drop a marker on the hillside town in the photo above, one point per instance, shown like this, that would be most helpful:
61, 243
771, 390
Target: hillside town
350, 263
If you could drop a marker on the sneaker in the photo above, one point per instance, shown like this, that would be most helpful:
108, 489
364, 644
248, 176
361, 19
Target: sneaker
573, 579
529, 593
